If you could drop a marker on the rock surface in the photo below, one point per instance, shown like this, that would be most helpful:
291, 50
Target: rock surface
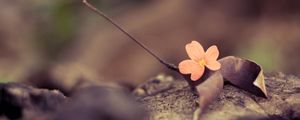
168, 99
94, 102
163, 98
23, 101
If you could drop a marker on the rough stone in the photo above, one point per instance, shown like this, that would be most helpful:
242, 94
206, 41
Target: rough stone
177, 102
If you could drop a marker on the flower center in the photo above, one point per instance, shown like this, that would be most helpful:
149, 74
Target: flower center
202, 62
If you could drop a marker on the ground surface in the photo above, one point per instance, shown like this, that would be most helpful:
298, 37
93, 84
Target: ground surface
169, 99
162, 98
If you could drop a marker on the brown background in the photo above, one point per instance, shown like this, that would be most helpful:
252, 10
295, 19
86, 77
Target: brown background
72, 42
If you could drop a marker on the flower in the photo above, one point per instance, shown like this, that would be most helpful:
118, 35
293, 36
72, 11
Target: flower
199, 60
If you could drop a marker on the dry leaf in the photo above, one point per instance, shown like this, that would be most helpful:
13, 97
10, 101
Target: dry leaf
208, 87
244, 74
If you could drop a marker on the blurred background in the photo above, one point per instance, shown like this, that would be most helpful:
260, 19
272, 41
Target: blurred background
62, 40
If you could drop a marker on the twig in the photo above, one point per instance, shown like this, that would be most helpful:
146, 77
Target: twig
93, 8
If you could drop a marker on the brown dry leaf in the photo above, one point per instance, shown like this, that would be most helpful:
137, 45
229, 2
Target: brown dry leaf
208, 87
244, 74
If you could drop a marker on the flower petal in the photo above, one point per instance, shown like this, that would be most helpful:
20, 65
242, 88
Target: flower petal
191, 67
213, 65
187, 66
197, 74
195, 50
212, 53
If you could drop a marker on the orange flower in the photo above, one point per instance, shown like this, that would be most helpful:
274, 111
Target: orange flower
199, 60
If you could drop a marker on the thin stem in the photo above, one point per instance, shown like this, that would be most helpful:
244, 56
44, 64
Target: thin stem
93, 8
